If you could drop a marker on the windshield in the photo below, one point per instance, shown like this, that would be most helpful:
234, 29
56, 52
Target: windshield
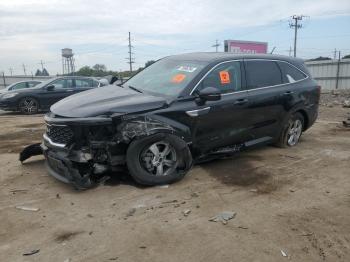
167, 76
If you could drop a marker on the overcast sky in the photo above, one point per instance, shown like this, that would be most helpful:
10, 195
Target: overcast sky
34, 30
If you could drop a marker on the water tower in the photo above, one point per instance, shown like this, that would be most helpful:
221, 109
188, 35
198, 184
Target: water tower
67, 61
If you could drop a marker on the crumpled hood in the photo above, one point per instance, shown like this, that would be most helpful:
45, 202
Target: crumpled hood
105, 101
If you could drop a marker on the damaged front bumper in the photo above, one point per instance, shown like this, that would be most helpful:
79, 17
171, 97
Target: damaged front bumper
82, 151
60, 166
73, 164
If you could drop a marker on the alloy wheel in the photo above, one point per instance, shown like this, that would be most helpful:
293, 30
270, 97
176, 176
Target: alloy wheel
159, 159
28, 105
294, 133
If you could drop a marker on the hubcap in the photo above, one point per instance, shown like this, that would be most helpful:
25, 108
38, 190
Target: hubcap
295, 132
28, 105
159, 159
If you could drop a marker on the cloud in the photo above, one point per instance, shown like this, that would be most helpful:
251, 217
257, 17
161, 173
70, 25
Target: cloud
31, 29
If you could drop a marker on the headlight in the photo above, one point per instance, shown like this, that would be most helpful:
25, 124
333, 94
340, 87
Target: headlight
5, 96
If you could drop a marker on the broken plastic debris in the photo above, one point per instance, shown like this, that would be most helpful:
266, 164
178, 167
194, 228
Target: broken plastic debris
163, 186
223, 217
283, 253
34, 209
186, 212
31, 252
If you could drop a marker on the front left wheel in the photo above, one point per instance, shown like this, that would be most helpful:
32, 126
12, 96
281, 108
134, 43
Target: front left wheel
158, 159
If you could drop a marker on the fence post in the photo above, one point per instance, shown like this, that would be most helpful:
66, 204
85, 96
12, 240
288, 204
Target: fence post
3, 77
338, 69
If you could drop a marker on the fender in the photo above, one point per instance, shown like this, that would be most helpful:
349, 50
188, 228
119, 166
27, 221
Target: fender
299, 107
139, 126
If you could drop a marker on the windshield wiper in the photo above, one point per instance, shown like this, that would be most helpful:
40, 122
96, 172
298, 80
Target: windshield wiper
135, 89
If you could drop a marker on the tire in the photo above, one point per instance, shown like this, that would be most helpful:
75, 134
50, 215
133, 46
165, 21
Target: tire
292, 131
28, 106
147, 157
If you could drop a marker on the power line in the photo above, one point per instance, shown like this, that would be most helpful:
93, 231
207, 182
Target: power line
296, 26
216, 45
130, 60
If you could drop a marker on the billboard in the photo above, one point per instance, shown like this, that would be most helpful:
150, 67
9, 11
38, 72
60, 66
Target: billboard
245, 47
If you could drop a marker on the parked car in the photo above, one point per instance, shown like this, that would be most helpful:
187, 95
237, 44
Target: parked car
20, 85
42, 96
181, 109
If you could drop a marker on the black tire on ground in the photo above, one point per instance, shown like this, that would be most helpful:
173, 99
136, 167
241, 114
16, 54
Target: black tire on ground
140, 159
294, 122
28, 106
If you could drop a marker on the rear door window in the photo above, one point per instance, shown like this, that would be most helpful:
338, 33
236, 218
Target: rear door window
290, 73
33, 83
261, 73
83, 83
59, 83
225, 77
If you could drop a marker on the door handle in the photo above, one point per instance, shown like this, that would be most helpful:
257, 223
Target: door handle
241, 101
69, 90
288, 93
198, 112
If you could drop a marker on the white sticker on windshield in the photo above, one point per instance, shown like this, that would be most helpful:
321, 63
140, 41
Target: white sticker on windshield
189, 69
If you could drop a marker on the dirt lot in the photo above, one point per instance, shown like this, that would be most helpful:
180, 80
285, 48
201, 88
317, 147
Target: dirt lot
296, 200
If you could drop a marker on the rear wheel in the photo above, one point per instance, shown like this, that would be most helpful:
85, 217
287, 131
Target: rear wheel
292, 132
28, 105
158, 159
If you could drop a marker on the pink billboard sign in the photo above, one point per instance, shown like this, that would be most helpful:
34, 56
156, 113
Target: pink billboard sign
245, 47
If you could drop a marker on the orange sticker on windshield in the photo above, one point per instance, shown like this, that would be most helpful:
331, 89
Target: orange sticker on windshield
224, 77
178, 78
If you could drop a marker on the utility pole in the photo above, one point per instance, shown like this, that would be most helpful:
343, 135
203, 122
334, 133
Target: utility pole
296, 26
24, 69
290, 51
216, 45
11, 70
130, 61
338, 69
335, 54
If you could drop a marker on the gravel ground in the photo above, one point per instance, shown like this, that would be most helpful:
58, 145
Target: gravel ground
293, 202
335, 98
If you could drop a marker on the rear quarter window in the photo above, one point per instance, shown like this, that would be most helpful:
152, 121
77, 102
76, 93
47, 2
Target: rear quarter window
290, 73
261, 73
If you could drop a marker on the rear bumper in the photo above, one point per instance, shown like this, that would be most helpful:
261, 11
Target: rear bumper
312, 114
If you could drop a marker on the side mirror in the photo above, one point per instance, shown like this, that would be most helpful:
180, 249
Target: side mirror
50, 88
209, 94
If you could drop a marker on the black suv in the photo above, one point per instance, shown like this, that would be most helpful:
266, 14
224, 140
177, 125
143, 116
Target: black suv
42, 96
182, 109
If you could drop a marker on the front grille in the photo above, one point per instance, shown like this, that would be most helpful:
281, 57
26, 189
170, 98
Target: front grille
59, 133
